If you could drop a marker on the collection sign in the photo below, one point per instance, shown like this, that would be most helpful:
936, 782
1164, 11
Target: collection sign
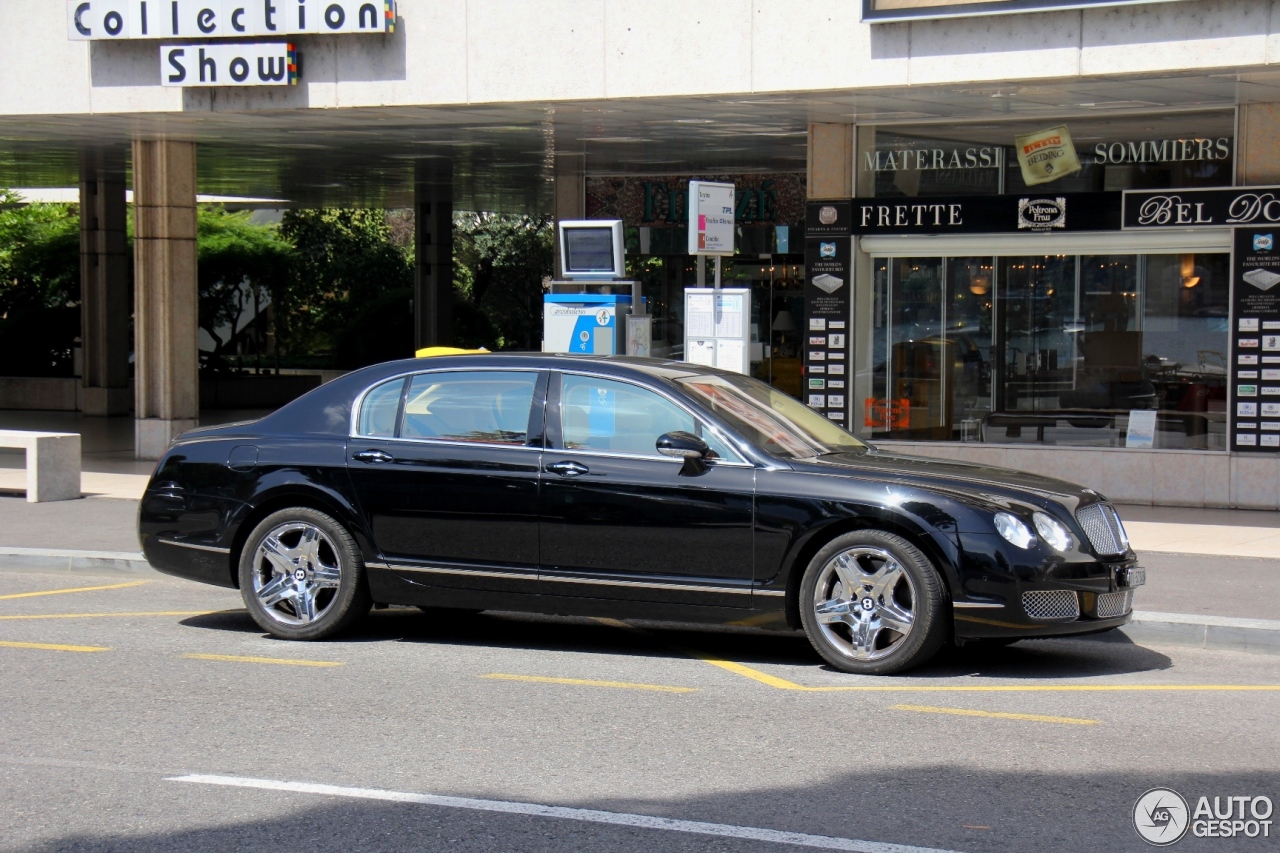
828, 346
239, 63
1000, 214
154, 19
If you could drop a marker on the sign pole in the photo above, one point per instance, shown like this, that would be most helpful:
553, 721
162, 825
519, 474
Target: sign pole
717, 279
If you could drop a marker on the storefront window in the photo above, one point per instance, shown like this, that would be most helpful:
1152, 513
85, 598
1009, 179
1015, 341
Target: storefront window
1051, 349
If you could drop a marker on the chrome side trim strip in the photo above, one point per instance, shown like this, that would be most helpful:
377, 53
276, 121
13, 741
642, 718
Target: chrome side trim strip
479, 573
771, 592
211, 548
974, 605
683, 587
484, 573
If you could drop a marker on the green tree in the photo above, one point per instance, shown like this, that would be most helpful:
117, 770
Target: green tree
239, 264
39, 286
500, 262
344, 262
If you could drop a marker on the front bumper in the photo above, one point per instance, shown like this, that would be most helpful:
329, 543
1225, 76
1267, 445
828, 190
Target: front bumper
1009, 593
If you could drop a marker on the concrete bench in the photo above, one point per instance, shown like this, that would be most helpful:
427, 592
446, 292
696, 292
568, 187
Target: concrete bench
53, 462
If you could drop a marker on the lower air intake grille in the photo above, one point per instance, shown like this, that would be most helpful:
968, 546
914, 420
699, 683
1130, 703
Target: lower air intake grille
1060, 605
1115, 603
1102, 525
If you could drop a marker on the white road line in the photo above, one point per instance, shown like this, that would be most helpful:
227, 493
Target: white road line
724, 830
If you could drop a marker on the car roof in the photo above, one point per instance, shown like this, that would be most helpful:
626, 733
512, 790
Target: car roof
621, 365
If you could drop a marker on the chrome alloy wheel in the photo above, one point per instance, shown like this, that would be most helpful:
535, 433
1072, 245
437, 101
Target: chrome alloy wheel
864, 603
296, 573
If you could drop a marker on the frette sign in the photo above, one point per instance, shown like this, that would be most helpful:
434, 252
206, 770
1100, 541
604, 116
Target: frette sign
157, 19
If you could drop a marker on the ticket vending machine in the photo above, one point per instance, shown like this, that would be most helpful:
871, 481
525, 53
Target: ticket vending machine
593, 310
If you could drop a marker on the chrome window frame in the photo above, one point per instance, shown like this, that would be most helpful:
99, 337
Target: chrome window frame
726, 438
358, 405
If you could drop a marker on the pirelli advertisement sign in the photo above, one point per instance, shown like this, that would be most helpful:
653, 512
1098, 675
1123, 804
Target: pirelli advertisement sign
884, 11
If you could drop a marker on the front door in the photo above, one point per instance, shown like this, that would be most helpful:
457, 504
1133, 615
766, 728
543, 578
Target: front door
619, 520
446, 469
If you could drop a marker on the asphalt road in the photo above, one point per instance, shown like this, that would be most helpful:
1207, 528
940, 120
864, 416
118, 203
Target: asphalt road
109, 697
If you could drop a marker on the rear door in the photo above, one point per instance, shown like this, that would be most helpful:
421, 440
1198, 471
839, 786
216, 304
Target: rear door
619, 520
446, 466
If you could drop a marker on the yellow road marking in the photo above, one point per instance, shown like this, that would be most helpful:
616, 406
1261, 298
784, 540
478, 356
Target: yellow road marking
756, 621
53, 647
783, 684
585, 682
247, 659
1001, 715
76, 589
24, 616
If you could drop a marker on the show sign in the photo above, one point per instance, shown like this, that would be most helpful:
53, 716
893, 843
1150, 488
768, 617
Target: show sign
264, 64
1001, 214
1215, 208
121, 20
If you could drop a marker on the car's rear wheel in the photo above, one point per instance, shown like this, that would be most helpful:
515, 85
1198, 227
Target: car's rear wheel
301, 576
872, 603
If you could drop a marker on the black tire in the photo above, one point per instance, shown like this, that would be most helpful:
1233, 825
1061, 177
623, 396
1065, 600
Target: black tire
861, 632
325, 592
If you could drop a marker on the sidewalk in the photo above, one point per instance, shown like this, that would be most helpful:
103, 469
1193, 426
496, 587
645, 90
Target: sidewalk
1213, 576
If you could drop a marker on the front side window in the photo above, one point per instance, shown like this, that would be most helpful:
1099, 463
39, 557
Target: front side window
483, 406
618, 417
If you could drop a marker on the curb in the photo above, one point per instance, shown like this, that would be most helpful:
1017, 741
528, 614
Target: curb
46, 560
1218, 633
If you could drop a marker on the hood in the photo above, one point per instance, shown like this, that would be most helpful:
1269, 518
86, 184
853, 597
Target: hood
964, 479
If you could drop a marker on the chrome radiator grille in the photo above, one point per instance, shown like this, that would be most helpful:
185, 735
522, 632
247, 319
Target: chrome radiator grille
1102, 525
1115, 603
1061, 605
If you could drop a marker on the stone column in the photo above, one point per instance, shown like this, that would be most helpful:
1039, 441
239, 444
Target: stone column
570, 195
104, 283
830, 161
433, 253
166, 369
1257, 147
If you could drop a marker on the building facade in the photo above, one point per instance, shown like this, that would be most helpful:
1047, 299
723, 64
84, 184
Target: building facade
978, 293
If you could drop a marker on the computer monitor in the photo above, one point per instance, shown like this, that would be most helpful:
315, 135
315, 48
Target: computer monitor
592, 249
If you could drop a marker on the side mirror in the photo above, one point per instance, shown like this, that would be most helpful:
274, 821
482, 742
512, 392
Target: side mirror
682, 445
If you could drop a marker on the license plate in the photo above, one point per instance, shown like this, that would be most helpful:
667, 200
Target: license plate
1132, 577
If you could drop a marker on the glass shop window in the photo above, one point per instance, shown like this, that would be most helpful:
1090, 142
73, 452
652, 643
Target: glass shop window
1051, 349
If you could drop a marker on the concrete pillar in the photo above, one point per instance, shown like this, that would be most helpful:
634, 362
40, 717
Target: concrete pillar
570, 194
166, 370
1257, 146
433, 252
104, 283
830, 166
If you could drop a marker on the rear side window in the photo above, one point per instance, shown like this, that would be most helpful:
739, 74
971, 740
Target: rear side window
482, 406
378, 413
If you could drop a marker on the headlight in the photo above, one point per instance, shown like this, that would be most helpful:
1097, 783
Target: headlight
1052, 531
1012, 529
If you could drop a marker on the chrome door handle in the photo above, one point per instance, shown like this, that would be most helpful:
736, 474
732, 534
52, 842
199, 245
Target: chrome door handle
568, 469
375, 457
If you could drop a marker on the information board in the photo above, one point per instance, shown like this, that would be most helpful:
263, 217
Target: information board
1255, 341
828, 371
711, 218
717, 326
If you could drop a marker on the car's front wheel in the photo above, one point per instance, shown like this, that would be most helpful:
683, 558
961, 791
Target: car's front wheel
301, 576
872, 603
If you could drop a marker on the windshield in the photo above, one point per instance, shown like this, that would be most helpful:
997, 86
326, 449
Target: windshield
769, 418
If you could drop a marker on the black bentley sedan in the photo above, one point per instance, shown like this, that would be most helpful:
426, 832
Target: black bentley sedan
628, 488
